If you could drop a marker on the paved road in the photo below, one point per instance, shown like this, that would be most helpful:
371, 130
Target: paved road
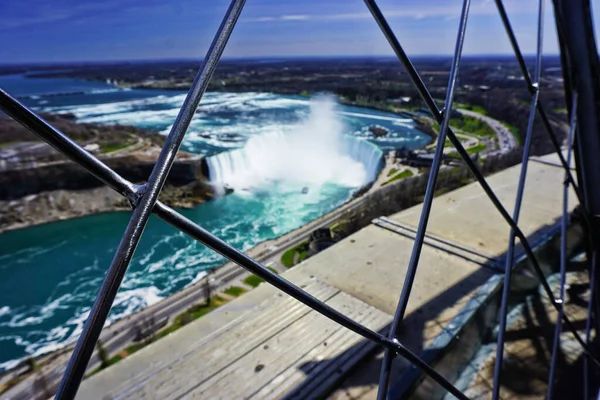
506, 140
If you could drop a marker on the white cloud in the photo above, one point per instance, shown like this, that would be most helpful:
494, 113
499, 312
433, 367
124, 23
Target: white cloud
446, 9
295, 17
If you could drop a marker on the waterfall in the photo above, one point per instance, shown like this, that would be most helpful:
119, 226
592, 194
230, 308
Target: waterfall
367, 153
356, 166
314, 153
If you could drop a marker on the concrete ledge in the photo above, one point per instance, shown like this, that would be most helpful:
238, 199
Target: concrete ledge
468, 217
221, 354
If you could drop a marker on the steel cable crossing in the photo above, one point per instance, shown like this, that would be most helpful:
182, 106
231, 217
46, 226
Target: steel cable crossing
143, 199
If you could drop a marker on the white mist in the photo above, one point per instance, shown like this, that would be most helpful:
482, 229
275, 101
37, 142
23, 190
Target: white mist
311, 154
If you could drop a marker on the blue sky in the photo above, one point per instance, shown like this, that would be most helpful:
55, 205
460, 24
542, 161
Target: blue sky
85, 30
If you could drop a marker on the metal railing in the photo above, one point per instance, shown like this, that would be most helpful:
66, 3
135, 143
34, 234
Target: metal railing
579, 61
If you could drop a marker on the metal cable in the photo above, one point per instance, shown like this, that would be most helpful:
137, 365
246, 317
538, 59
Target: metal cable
429, 193
517, 208
144, 200
148, 195
473, 168
563, 254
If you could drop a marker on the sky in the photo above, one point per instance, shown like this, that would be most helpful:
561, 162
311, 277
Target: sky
101, 30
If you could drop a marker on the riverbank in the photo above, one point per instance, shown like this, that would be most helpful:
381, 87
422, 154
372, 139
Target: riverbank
60, 205
38, 185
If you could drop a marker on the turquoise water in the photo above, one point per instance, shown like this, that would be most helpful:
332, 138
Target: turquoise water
51, 273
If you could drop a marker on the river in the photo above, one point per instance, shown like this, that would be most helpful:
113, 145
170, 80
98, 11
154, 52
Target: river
51, 273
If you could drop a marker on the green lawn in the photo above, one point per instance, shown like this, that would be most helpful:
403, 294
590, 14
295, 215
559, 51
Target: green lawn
110, 147
477, 109
253, 280
392, 171
7, 144
400, 175
287, 258
472, 125
234, 291
302, 254
476, 149
515, 133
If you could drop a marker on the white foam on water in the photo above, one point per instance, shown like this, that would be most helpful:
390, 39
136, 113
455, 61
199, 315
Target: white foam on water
149, 117
4, 310
405, 123
89, 110
198, 278
37, 314
9, 364
129, 301
312, 153
48, 309
22, 320
101, 91
371, 116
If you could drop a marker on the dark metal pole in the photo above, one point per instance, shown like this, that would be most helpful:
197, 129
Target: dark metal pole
563, 257
531, 88
582, 73
139, 218
517, 209
430, 190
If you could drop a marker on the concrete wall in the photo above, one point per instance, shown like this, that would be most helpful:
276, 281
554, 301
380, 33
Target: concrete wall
410, 191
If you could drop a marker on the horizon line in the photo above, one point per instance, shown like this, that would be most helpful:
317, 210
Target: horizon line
256, 58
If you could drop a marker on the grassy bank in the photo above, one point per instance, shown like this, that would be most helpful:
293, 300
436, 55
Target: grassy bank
397, 176
295, 255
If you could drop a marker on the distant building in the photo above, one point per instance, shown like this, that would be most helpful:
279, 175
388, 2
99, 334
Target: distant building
417, 159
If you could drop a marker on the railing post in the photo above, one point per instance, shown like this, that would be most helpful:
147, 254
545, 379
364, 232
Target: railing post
582, 75
581, 71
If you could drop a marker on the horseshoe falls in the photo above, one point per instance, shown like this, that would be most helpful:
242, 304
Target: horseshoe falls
314, 153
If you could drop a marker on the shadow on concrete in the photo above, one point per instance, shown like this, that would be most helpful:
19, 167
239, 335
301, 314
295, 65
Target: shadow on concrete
420, 326
528, 350
424, 323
